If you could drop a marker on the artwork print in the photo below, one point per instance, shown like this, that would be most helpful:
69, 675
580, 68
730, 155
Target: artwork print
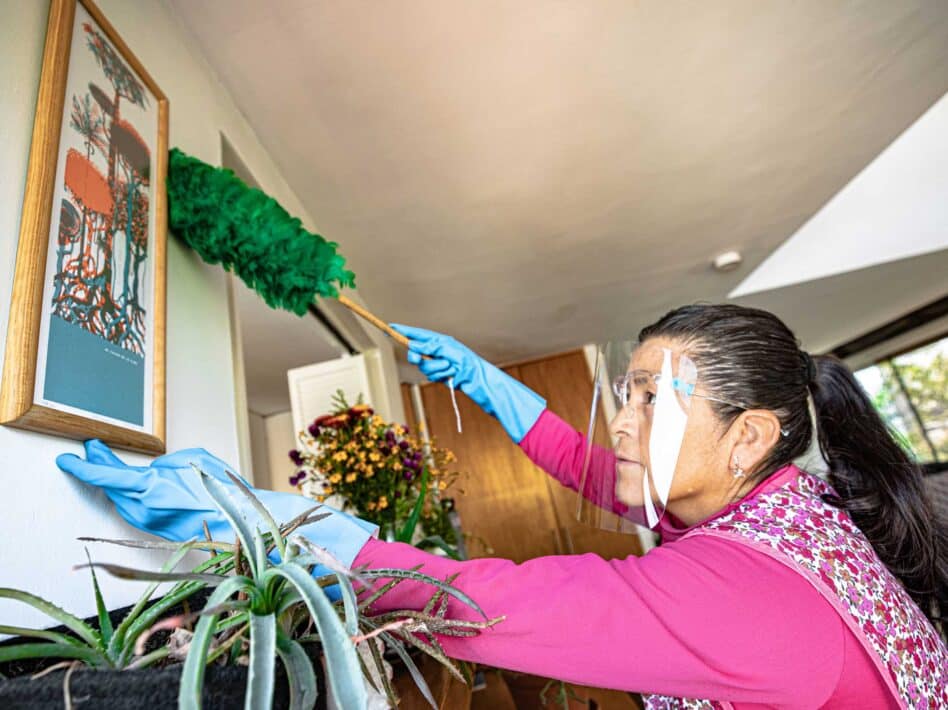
97, 320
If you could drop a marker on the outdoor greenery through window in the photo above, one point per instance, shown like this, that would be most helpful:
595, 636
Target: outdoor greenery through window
911, 392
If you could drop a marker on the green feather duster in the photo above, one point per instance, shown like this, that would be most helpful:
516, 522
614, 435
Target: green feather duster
249, 233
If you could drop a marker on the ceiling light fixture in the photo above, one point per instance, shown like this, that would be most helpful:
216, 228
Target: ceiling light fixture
727, 261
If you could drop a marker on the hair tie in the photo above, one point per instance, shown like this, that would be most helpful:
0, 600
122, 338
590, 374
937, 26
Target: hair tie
810, 364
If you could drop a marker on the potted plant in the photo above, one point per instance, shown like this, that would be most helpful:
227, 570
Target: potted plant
380, 472
266, 605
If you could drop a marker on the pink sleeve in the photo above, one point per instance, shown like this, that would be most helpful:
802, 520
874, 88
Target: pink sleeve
559, 449
700, 617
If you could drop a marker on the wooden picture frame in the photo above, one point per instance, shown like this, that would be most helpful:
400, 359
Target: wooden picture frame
87, 316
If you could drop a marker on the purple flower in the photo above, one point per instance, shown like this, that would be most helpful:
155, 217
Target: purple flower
296, 457
409, 475
297, 478
403, 445
313, 430
390, 436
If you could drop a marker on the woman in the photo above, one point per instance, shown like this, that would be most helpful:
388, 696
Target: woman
772, 588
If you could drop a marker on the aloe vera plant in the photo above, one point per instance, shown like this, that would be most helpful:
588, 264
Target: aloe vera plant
105, 646
266, 599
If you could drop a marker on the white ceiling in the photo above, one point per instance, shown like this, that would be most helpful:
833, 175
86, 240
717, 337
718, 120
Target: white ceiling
530, 176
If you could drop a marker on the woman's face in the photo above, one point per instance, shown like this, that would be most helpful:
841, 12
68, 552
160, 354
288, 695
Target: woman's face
703, 455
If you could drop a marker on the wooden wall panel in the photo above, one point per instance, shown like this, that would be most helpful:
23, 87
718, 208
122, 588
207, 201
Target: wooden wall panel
565, 383
503, 498
507, 501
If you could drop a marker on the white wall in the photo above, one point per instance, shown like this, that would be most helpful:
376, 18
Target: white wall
281, 437
259, 451
42, 511
271, 439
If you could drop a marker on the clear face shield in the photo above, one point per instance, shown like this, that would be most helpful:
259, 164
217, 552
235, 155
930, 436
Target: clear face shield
628, 470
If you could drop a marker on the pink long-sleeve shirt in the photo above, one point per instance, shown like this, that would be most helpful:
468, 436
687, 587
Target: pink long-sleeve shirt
700, 617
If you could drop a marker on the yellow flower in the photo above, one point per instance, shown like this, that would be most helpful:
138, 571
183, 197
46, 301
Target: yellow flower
335, 478
327, 490
442, 485
370, 506
377, 420
351, 446
340, 456
369, 472
383, 503
350, 478
375, 456
397, 466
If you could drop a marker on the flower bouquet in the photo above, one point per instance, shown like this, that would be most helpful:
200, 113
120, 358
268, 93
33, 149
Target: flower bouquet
356, 461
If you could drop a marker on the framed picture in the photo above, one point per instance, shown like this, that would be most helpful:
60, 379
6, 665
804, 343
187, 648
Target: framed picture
85, 350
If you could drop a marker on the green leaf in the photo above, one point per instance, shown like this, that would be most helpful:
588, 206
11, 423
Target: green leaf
143, 575
149, 658
416, 675
117, 644
262, 660
349, 601
381, 591
192, 674
408, 529
105, 623
73, 623
391, 573
163, 544
299, 673
228, 506
262, 512
53, 636
147, 618
441, 544
20, 651
305, 518
380, 667
342, 659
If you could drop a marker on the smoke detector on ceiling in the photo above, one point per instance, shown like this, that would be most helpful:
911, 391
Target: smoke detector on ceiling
728, 261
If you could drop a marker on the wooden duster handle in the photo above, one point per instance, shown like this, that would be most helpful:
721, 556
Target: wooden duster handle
374, 320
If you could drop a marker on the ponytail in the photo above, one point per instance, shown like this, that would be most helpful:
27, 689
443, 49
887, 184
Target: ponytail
880, 487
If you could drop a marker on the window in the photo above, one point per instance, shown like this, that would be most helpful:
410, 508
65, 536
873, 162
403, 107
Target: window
910, 390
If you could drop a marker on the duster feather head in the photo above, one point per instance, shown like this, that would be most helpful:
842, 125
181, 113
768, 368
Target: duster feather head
249, 233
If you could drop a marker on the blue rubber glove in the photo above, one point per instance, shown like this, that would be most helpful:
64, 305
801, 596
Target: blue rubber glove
168, 499
514, 405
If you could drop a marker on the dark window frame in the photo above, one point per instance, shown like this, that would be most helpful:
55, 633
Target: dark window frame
894, 329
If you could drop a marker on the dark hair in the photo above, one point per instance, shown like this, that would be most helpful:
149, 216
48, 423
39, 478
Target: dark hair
750, 357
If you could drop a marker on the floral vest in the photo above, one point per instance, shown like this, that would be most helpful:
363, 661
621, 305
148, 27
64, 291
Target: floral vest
796, 527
